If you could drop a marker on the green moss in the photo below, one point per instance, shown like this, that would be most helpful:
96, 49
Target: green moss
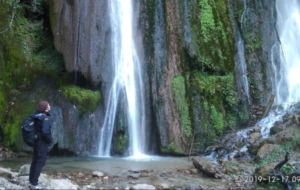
122, 143
216, 88
85, 100
288, 145
219, 102
179, 92
12, 129
3, 104
233, 163
27, 47
216, 119
212, 36
171, 149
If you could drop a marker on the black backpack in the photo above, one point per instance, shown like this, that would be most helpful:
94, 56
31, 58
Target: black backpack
29, 133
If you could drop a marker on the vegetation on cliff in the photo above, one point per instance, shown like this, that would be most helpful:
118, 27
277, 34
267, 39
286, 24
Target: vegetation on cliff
27, 53
86, 100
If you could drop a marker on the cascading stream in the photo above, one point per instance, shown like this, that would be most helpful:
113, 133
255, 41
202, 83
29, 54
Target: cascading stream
285, 64
127, 79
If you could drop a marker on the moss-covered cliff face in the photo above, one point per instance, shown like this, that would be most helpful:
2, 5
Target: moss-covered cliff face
193, 65
256, 21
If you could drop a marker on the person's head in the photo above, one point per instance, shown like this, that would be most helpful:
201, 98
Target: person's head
43, 106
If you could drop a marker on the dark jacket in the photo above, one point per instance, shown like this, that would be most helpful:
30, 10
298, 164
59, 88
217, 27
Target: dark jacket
43, 128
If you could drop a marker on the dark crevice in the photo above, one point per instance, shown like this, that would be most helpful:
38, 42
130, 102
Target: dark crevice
55, 151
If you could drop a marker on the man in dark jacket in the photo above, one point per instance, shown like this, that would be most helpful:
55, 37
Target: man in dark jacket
40, 149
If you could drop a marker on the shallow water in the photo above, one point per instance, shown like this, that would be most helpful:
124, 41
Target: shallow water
105, 164
165, 169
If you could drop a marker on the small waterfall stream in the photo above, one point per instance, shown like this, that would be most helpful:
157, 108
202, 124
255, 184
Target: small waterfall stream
242, 64
127, 80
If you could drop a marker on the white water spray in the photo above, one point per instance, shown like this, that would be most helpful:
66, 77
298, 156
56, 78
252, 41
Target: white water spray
286, 80
127, 80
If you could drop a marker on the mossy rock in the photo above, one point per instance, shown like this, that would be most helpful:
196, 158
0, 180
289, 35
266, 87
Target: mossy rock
276, 129
86, 100
240, 144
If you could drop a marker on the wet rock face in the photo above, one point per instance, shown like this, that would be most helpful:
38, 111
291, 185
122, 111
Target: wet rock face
259, 32
81, 32
162, 55
72, 133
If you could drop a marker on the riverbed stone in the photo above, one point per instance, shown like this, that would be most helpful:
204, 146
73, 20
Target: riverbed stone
266, 150
144, 175
266, 170
207, 167
143, 186
24, 170
194, 171
5, 173
134, 176
257, 128
98, 174
276, 129
254, 137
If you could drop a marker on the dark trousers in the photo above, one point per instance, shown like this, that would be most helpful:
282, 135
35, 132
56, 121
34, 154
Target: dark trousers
38, 162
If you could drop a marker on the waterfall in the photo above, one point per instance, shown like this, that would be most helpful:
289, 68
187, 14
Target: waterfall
242, 65
127, 80
288, 27
286, 80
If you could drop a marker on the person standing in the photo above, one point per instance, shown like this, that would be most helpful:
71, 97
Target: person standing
40, 149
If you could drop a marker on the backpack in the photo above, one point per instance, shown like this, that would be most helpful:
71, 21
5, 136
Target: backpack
29, 133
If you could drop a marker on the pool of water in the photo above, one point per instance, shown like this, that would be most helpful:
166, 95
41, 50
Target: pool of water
166, 170
105, 164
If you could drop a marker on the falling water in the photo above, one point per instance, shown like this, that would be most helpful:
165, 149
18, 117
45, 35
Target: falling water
127, 80
240, 59
286, 80
242, 64
288, 27
244, 13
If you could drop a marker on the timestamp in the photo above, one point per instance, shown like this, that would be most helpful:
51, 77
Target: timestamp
270, 179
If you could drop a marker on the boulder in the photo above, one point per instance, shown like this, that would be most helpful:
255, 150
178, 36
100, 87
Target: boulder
24, 170
257, 128
276, 129
208, 168
287, 117
5, 173
247, 167
265, 171
134, 176
5, 184
98, 174
143, 186
265, 150
254, 137
296, 119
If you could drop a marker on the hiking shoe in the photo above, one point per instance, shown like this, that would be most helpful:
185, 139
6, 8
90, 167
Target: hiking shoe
38, 186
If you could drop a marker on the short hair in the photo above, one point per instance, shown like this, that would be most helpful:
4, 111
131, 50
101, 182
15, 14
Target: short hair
42, 106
